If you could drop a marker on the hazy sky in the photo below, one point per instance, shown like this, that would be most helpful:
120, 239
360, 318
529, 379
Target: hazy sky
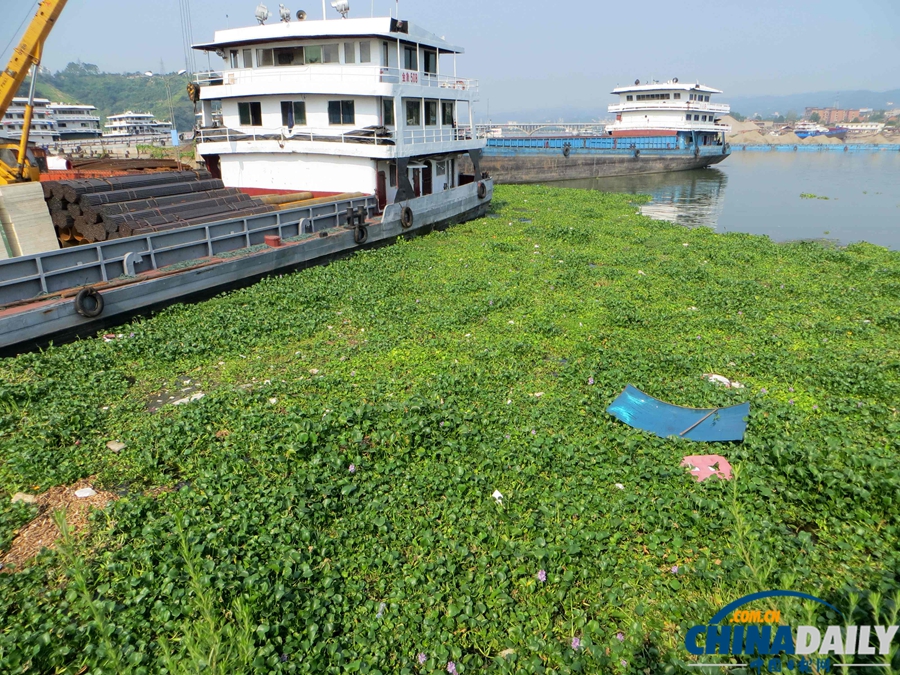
537, 54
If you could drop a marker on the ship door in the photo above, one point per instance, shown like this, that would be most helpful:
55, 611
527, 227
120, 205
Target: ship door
416, 180
214, 166
381, 190
427, 183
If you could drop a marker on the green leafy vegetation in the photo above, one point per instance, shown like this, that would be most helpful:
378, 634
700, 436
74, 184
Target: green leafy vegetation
115, 93
327, 506
810, 195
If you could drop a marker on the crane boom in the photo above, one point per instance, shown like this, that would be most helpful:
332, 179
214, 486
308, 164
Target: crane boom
26, 56
28, 52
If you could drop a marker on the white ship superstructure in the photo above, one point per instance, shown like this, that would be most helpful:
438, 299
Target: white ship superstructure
135, 124
669, 106
75, 122
43, 127
354, 105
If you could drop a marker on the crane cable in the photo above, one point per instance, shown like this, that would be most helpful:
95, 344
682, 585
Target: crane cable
19, 29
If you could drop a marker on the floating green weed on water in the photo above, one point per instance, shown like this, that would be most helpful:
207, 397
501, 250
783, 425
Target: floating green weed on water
420, 365
809, 195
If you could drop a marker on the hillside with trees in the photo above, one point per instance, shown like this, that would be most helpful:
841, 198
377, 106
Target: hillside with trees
114, 93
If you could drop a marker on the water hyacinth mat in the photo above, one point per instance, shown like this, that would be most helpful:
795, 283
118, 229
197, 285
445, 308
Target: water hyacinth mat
302, 475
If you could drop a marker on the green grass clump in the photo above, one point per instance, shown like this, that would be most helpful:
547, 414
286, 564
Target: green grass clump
442, 369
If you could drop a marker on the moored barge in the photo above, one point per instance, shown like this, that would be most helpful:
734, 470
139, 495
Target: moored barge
659, 127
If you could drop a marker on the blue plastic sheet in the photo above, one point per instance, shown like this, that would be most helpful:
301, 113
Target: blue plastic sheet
642, 411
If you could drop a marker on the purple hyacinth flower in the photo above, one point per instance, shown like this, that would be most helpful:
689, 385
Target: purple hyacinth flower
624, 663
791, 389
591, 381
674, 569
533, 432
542, 576
815, 407
576, 643
791, 401
763, 391
620, 636
422, 658
352, 468
451, 667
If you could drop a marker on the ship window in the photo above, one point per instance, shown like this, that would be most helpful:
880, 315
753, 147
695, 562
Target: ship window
389, 112
431, 112
703, 119
688, 117
341, 112
440, 169
447, 113
430, 62
264, 57
313, 54
629, 98
365, 52
393, 173
385, 54
696, 118
413, 113
676, 96
293, 113
289, 56
250, 114
234, 58
349, 52
331, 53
410, 59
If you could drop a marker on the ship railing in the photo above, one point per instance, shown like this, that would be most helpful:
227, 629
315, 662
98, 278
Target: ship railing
437, 135
673, 105
334, 74
281, 135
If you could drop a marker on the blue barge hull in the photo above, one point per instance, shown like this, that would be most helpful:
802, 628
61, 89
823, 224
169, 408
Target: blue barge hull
545, 159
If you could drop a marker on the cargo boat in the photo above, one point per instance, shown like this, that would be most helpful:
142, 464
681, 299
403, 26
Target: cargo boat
659, 127
369, 107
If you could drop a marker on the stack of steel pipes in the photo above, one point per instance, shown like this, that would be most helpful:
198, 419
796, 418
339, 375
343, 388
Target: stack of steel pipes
99, 209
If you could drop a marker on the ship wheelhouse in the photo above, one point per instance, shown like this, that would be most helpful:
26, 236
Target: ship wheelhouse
355, 105
681, 111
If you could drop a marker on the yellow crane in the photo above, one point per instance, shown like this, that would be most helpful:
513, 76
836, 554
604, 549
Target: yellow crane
15, 165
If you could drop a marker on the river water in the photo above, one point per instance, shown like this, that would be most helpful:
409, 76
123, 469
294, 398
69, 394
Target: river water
759, 192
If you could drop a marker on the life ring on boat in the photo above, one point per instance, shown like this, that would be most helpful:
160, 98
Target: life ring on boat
482, 191
566, 150
89, 311
406, 217
361, 234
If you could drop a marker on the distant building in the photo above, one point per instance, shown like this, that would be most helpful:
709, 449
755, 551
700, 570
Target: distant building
135, 124
43, 127
836, 115
75, 122
862, 127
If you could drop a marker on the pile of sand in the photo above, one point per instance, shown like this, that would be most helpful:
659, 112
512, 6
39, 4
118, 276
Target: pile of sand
748, 138
821, 140
879, 139
788, 139
738, 127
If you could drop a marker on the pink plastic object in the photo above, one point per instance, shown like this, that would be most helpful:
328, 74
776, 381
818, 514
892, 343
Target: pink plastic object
706, 466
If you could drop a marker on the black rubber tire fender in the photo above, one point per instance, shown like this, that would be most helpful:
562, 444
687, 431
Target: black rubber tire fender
407, 218
482, 191
89, 312
361, 234
637, 153
566, 150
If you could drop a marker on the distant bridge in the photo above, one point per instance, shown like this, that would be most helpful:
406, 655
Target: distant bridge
570, 128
